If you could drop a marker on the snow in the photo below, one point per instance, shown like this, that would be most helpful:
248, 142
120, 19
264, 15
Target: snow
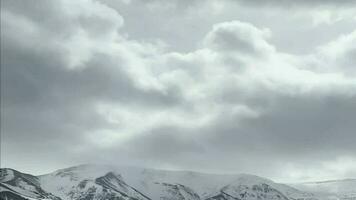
339, 189
151, 181
102, 180
62, 181
6, 175
21, 191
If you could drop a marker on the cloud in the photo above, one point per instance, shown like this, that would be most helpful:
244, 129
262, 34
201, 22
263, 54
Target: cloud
63, 75
242, 38
278, 3
235, 101
340, 53
300, 3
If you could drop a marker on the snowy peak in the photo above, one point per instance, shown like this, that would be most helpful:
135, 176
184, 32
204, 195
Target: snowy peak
112, 182
13, 177
175, 192
89, 182
99, 182
20, 185
250, 187
250, 192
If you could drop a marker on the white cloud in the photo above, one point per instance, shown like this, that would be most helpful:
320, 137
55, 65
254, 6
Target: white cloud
340, 55
240, 38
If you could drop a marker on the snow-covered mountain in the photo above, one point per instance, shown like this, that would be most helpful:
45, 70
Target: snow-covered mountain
336, 189
98, 182
17, 185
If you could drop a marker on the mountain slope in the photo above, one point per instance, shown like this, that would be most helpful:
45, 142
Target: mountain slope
100, 182
336, 189
17, 185
78, 183
249, 187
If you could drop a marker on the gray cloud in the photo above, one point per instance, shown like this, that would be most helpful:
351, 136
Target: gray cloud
300, 3
81, 83
261, 3
239, 37
294, 125
308, 25
53, 104
303, 130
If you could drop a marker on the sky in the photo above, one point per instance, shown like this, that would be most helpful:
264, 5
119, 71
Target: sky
217, 86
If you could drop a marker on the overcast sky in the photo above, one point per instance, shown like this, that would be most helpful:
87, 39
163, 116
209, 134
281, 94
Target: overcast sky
221, 86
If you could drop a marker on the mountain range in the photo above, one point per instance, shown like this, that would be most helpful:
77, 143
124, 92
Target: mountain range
102, 182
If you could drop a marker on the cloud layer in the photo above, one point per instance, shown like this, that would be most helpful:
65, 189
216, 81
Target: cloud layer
81, 83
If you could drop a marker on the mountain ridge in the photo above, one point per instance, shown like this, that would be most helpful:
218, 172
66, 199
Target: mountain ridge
107, 182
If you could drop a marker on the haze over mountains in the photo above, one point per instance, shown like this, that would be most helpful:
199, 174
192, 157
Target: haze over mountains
103, 182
